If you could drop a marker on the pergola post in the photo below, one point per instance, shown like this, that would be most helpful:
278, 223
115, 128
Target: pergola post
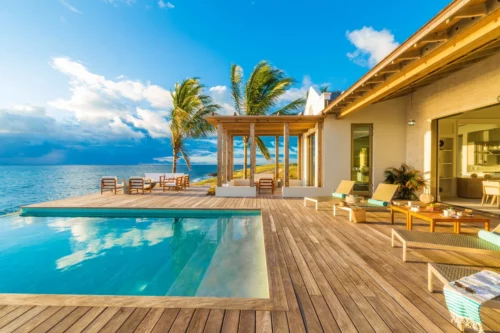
219, 154
319, 155
299, 157
277, 157
226, 156
286, 154
252, 154
231, 157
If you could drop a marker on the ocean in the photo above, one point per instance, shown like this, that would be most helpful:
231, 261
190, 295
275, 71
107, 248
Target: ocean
28, 184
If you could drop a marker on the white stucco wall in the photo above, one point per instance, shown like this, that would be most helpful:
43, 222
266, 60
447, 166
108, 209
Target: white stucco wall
389, 147
471, 88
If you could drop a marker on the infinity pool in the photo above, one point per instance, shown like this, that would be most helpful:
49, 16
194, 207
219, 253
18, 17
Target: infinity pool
202, 253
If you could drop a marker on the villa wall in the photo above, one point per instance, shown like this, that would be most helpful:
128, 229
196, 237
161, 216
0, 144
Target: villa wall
471, 88
389, 131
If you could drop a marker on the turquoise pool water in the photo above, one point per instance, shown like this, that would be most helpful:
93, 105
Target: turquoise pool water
212, 253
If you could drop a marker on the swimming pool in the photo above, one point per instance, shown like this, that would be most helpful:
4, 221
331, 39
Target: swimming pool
134, 252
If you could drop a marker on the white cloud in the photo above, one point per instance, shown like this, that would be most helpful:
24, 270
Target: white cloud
156, 125
70, 7
99, 104
222, 96
371, 45
294, 93
26, 119
118, 128
163, 4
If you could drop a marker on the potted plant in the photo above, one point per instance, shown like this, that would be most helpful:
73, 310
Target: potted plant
408, 179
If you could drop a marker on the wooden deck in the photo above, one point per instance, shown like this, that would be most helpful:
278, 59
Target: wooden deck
337, 276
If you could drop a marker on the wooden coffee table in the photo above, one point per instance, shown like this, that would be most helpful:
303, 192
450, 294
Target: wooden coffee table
405, 210
437, 217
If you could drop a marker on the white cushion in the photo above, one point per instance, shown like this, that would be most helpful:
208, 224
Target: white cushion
109, 177
240, 182
296, 182
153, 176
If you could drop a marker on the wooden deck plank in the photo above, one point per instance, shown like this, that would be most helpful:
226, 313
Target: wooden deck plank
247, 322
85, 320
214, 321
117, 320
231, 321
197, 324
263, 322
101, 320
166, 320
69, 320
37, 320
12, 315
19, 321
182, 320
53, 320
149, 322
135, 319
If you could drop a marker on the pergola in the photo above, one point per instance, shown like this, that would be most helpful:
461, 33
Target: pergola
257, 126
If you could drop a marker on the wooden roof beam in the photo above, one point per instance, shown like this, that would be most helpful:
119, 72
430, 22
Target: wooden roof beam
410, 55
391, 69
434, 37
472, 11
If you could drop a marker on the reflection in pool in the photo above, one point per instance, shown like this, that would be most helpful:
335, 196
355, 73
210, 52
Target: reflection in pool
220, 256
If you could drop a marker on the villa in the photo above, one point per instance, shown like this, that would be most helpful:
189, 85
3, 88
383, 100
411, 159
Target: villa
433, 103
179, 260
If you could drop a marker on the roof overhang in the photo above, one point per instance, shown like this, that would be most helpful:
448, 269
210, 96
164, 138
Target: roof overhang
463, 33
266, 125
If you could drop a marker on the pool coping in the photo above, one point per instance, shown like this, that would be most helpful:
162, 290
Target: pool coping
276, 301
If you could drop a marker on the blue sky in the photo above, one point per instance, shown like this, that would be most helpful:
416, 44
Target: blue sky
87, 81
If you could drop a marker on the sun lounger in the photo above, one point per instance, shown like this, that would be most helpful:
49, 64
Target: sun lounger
380, 201
139, 184
448, 273
441, 241
344, 189
109, 183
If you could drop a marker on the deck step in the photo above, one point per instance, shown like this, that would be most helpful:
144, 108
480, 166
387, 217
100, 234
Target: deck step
239, 257
187, 282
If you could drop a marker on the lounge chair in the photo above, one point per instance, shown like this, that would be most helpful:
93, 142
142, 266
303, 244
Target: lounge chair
172, 183
448, 273
111, 184
380, 201
139, 184
345, 188
441, 241
186, 181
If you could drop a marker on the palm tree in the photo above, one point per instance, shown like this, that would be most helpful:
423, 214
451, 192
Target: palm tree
261, 95
188, 117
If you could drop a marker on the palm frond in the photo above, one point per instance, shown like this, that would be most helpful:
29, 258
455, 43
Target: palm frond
236, 89
263, 149
291, 108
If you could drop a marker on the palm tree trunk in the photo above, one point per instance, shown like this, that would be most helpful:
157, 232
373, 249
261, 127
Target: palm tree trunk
245, 156
174, 161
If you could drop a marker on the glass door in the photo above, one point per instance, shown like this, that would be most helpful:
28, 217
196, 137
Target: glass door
361, 158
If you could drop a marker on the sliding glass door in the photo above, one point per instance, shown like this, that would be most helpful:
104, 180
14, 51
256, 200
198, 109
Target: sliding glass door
361, 158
